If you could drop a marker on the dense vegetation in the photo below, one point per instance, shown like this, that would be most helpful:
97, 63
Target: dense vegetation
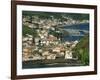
82, 50
27, 30
30, 31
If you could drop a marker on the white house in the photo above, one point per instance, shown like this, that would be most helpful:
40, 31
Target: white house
51, 56
68, 55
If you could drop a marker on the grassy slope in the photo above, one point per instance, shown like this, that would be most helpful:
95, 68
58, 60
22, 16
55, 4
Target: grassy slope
82, 50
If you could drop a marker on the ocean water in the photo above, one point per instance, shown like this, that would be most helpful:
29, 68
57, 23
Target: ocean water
84, 26
73, 29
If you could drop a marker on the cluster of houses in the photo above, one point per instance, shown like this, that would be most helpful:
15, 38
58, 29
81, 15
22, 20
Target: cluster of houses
45, 45
33, 52
34, 20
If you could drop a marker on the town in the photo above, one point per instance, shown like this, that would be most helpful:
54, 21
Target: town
45, 41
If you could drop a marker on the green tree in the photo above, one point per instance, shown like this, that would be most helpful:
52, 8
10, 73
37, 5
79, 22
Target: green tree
82, 50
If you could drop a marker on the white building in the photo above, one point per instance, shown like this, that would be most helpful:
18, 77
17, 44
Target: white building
68, 55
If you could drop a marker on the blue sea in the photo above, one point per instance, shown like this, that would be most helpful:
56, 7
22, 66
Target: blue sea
84, 26
80, 28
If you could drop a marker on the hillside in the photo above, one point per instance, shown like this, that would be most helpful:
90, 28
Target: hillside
50, 15
82, 50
